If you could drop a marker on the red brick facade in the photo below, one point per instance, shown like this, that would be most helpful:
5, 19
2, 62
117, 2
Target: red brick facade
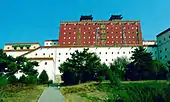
110, 33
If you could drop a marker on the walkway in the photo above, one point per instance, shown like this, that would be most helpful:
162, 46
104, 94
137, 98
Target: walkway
51, 94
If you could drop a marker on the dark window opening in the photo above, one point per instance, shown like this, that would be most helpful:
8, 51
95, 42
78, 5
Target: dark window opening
166, 56
45, 63
117, 52
66, 53
43, 53
160, 57
123, 52
36, 54
112, 52
58, 60
160, 51
106, 52
106, 59
99, 52
59, 53
165, 49
51, 53
168, 62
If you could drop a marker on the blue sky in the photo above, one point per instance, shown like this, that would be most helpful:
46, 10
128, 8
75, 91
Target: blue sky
38, 20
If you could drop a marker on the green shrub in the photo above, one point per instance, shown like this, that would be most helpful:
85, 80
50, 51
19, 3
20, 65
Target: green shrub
114, 80
22, 79
100, 78
12, 79
43, 78
31, 80
3, 81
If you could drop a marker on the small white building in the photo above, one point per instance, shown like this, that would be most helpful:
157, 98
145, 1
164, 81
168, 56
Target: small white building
51, 43
163, 42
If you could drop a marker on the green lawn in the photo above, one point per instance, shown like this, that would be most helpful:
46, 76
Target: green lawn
92, 92
21, 93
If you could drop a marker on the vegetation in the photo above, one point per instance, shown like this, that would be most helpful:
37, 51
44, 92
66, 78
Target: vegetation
21, 93
43, 78
144, 91
84, 66
81, 67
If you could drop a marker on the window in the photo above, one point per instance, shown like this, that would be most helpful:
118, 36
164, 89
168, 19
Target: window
129, 52
169, 36
107, 36
160, 51
43, 53
84, 32
112, 52
45, 63
89, 27
68, 37
84, 42
64, 32
112, 59
106, 53
117, 52
168, 62
112, 32
74, 32
133, 37
100, 53
58, 60
59, 53
165, 56
64, 28
68, 42
66, 53
69, 28
123, 52
165, 49
63, 42
64, 37
84, 37
164, 38
129, 36
89, 37
51, 53
36, 54
160, 57
7, 47
93, 32
106, 59
69, 32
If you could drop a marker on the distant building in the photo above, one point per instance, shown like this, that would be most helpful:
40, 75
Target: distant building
163, 42
112, 32
51, 43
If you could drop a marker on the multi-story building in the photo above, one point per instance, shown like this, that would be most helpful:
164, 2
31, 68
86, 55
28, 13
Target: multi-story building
112, 32
95, 35
163, 42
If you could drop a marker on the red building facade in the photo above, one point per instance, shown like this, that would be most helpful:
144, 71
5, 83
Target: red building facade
114, 32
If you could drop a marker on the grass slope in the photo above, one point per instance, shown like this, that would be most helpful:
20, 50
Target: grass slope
131, 91
21, 93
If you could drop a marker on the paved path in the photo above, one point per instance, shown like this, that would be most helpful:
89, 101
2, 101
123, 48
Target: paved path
51, 94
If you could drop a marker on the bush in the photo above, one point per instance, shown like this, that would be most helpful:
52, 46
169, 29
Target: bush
22, 79
31, 80
114, 80
3, 81
43, 78
12, 79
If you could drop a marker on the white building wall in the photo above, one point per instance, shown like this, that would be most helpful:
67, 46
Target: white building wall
164, 47
60, 54
48, 66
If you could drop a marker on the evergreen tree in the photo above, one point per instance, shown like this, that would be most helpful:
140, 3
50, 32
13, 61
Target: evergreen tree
43, 78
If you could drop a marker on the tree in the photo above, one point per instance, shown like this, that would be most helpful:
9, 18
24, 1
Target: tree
10, 66
43, 78
81, 67
141, 65
119, 65
159, 69
12, 79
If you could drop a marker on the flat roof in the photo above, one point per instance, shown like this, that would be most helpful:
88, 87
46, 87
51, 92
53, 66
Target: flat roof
167, 30
22, 43
100, 21
149, 40
51, 40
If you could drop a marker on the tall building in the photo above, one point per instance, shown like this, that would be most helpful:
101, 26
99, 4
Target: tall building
163, 42
112, 32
